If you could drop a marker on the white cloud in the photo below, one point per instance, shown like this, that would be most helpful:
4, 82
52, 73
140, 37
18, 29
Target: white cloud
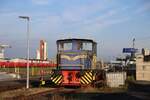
93, 17
78, 13
81, 17
82, 20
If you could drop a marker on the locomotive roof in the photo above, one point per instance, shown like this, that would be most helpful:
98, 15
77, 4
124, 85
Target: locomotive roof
75, 39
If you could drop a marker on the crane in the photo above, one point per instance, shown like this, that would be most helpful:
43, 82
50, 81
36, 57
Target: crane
2, 50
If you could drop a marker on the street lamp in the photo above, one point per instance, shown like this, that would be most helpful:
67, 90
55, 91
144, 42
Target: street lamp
28, 54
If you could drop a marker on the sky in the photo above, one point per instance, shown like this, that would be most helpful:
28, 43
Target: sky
111, 23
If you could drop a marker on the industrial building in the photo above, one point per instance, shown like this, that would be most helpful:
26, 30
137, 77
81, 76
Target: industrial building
2, 50
143, 65
38, 54
42, 53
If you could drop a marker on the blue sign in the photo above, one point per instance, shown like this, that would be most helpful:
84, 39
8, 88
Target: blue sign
129, 50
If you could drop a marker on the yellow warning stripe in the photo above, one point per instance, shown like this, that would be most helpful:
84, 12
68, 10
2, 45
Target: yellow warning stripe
90, 77
82, 82
87, 77
90, 73
55, 78
52, 77
58, 79
85, 80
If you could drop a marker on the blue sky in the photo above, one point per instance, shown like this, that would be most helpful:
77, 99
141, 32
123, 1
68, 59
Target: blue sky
111, 23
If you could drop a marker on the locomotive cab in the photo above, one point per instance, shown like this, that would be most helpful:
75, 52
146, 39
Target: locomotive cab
75, 59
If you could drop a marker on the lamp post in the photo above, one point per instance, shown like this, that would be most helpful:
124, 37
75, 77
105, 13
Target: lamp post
28, 54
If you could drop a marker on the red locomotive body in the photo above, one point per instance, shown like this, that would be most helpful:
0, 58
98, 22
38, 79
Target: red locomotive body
70, 78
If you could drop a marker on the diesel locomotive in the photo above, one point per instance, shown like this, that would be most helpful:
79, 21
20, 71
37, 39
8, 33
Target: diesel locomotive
76, 62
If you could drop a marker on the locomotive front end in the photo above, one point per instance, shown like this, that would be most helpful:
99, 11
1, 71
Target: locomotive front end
75, 60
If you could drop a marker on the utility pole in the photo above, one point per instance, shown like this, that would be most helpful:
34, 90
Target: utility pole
133, 43
133, 52
28, 53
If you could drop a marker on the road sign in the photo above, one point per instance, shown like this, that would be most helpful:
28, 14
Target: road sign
129, 50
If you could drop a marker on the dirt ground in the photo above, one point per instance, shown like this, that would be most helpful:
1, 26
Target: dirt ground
23, 92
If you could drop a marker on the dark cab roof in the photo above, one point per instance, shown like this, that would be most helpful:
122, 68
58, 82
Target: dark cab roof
75, 39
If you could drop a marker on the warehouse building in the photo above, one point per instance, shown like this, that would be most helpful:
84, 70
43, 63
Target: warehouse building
143, 65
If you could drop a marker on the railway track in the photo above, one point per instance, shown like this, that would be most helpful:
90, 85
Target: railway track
43, 94
12, 84
68, 94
